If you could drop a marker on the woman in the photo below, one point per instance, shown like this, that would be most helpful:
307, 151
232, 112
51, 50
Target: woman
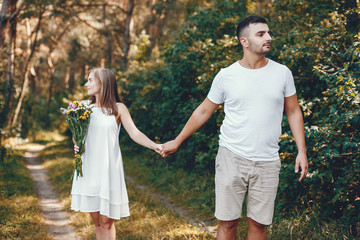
102, 190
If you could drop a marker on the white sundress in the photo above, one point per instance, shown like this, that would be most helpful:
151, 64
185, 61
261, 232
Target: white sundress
102, 187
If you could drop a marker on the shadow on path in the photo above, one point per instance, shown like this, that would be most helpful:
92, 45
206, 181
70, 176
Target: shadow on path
56, 219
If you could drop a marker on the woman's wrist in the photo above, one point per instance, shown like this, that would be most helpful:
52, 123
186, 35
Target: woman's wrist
154, 146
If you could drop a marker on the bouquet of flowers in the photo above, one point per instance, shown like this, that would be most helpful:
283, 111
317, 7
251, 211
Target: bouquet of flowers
78, 119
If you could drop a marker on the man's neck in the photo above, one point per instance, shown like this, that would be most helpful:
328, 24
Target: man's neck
253, 62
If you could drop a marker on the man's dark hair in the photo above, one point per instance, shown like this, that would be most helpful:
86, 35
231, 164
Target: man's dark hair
246, 22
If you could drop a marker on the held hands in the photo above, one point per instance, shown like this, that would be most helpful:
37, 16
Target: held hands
302, 162
158, 148
169, 147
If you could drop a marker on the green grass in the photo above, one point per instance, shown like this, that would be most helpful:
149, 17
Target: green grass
195, 193
21, 217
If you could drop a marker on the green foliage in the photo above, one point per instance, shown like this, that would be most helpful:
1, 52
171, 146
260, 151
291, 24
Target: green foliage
168, 92
316, 40
325, 61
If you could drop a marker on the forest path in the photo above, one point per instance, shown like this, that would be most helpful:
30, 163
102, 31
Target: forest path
56, 219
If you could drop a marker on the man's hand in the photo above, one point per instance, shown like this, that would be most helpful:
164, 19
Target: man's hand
169, 147
302, 162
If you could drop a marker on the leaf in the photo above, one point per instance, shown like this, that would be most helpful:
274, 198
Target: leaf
341, 90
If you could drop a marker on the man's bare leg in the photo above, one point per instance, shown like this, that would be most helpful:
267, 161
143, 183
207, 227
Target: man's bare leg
256, 231
227, 230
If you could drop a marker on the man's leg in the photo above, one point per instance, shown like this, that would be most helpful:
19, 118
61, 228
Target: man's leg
256, 231
231, 182
263, 187
227, 230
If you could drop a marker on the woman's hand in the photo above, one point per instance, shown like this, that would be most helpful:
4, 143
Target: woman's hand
158, 148
76, 149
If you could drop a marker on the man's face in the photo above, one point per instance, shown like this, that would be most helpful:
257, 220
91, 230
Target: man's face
258, 38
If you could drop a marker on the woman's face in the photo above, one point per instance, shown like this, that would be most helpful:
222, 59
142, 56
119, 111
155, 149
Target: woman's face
93, 86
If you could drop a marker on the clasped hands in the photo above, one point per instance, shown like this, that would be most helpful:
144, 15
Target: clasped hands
167, 148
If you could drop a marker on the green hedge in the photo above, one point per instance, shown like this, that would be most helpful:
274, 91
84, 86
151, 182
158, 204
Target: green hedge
321, 49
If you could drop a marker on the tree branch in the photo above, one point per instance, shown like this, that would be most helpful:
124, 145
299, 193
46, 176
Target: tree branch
99, 5
82, 20
14, 15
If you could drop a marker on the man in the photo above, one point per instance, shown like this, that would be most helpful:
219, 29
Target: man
255, 90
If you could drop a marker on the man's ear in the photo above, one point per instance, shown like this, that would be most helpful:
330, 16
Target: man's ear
244, 42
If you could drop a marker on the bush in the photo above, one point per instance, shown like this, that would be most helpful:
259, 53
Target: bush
323, 55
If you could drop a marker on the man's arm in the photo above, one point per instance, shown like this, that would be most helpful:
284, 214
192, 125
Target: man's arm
201, 114
296, 123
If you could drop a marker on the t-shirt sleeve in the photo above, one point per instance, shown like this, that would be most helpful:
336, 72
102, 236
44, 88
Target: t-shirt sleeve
216, 93
289, 84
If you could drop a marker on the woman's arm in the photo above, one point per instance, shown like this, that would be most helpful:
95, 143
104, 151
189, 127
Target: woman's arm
133, 131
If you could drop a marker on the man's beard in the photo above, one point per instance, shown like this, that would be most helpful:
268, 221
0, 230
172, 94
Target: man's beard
261, 51
264, 52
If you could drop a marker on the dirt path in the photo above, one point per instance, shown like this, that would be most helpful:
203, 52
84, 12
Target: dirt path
205, 226
56, 219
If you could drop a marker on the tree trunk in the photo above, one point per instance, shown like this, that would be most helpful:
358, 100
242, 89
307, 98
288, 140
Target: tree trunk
51, 78
4, 20
107, 38
127, 37
8, 7
30, 52
156, 22
11, 63
8, 13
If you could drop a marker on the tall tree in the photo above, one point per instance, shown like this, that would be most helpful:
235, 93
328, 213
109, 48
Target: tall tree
9, 12
31, 45
126, 41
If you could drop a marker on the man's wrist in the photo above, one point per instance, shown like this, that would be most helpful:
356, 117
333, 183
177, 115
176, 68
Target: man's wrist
178, 141
302, 152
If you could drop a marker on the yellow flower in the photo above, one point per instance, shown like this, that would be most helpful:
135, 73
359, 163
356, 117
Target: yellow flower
77, 104
68, 111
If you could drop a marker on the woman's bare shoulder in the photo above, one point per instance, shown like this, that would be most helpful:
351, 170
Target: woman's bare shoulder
122, 109
121, 106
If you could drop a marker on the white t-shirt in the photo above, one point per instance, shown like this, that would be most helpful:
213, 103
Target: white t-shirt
253, 104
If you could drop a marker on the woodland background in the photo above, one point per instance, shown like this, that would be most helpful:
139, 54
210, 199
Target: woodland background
166, 53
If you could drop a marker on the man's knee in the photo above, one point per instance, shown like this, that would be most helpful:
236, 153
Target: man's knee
256, 225
229, 225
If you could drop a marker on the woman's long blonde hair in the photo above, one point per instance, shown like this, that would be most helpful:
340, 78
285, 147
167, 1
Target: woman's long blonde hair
108, 94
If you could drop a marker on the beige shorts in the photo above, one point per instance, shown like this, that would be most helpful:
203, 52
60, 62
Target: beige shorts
236, 177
